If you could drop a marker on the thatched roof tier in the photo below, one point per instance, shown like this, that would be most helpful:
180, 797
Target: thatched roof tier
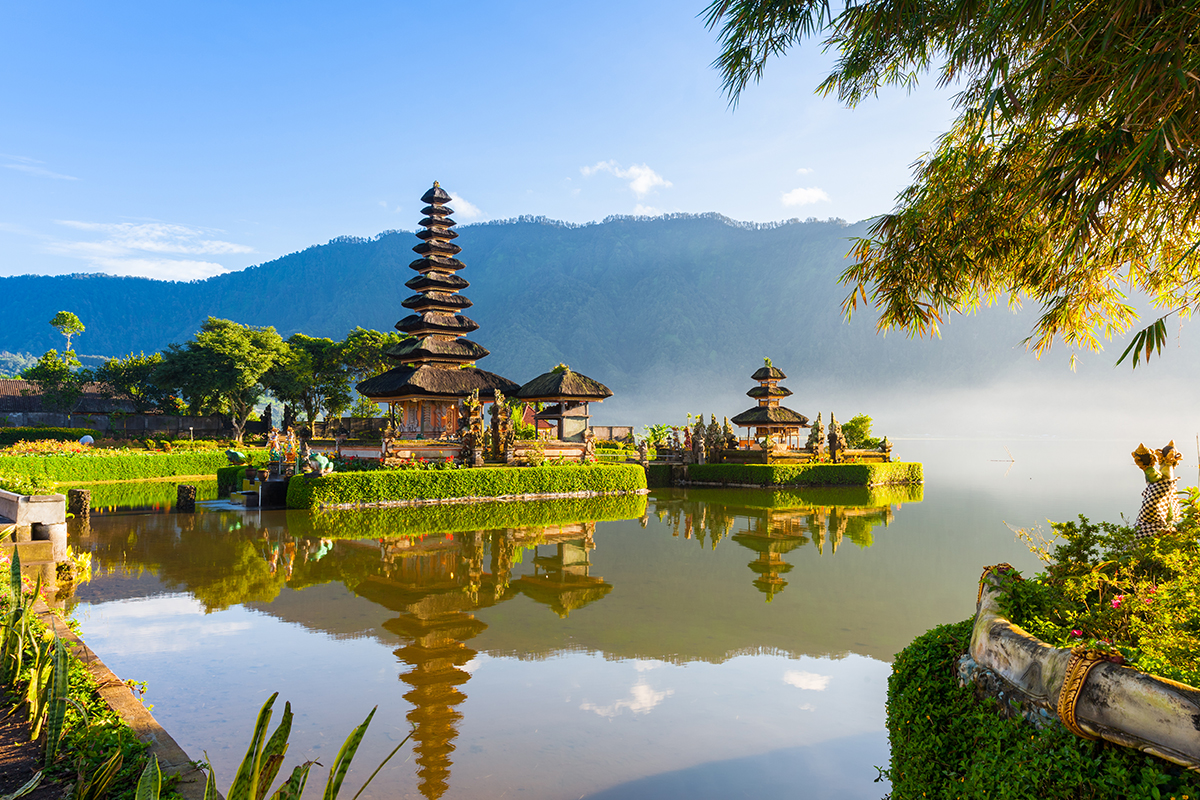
765, 391
437, 282
431, 348
432, 322
437, 248
563, 594
437, 211
437, 233
437, 221
438, 300
436, 264
766, 417
768, 374
432, 381
435, 196
563, 384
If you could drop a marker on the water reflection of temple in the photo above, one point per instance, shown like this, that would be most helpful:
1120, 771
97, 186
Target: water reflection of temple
436, 585
772, 532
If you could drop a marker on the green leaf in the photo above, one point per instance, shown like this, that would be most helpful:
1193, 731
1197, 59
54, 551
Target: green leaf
293, 788
273, 753
245, 783
337, 773
150, 784
96, 786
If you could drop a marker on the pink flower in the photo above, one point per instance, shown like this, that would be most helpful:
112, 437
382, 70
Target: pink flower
1152, 590
1147, 600
1077, 633
1116, 603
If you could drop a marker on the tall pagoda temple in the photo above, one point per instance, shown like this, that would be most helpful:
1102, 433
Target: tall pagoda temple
436, 364
769, 418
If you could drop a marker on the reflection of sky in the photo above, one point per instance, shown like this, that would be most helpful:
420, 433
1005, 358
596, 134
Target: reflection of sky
564, 726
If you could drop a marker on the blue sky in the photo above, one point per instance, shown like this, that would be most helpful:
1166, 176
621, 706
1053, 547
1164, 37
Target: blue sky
178, 140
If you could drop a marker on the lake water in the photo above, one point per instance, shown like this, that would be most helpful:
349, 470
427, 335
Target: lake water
712, 644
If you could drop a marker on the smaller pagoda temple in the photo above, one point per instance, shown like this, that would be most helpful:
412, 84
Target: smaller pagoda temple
567, 394
768, 418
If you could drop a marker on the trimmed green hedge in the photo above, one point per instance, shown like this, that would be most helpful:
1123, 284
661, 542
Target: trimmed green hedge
141, 493
382, 486
130, 466
658, 476
381, 523
809, 474
10, 436
945, 743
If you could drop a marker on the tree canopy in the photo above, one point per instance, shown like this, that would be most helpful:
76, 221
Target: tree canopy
68, 325
1070, 177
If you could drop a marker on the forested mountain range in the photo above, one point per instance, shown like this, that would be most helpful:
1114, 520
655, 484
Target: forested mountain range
634, 302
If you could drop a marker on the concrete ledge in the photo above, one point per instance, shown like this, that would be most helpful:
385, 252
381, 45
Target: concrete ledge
171, 758
38, 509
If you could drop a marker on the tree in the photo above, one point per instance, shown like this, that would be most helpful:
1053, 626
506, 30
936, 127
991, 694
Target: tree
59, 379
311, 375
68, 325
1070, 178
135, 377
858, 433
364, 352
221, 368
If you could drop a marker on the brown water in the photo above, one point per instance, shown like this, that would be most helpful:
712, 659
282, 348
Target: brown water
711, 644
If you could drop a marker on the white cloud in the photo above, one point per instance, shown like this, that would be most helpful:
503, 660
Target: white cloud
144, 249
643, 664
464, 208
646, 211
806, 680
804, 171
30, 167
642, 699
642, 179
802, 197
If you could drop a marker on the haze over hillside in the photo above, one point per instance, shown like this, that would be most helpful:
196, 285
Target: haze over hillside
671, 312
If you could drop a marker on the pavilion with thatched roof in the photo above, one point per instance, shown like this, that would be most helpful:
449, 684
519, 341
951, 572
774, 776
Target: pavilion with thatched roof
769, 419
567, 394
436, 366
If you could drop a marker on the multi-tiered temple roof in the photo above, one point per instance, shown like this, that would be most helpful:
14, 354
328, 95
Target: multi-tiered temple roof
768, 417
436, 362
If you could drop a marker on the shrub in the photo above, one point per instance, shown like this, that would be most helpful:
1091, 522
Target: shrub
389, 485
809, 474
945, 743
23, 484
141, 494
10, 436
117, 465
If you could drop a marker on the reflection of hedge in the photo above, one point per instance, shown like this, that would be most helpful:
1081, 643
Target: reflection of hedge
946, 743
809, 474
121, 467
138, 494
378, 523
810, 496
10, 436
375, 487
659, 476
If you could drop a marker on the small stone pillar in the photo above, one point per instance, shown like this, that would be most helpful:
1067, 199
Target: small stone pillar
185, 498
79, 503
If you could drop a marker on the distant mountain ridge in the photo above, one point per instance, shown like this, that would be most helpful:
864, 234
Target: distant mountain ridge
634, 302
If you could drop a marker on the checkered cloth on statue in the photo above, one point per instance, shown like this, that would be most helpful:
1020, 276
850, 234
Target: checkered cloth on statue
1159, 504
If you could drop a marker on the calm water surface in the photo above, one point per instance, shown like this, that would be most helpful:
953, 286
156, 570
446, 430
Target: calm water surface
709, 644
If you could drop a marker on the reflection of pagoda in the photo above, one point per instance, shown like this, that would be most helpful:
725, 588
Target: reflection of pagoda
437, 366
434, 584
770, 543
562, 581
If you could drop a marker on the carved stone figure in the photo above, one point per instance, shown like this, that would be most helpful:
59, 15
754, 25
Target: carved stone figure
471, 451
643, 453
837, 440
1160, 504
816, 438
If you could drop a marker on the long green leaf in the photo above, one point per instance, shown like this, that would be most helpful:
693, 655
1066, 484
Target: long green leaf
150, 784
245, 783
96, 786
14, 574
210, 784
337, 773
293, 788
272, 755
29, 786
56, 713
382, 763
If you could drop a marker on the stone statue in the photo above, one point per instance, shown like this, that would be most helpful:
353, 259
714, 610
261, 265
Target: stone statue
319, 464
1160, 504
731, 438
643, 449
471, 451
837, 440
816, 439
304, 452
885, 447
701, 451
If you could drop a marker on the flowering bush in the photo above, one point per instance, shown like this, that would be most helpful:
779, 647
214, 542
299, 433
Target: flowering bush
1103, 587
44, 447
